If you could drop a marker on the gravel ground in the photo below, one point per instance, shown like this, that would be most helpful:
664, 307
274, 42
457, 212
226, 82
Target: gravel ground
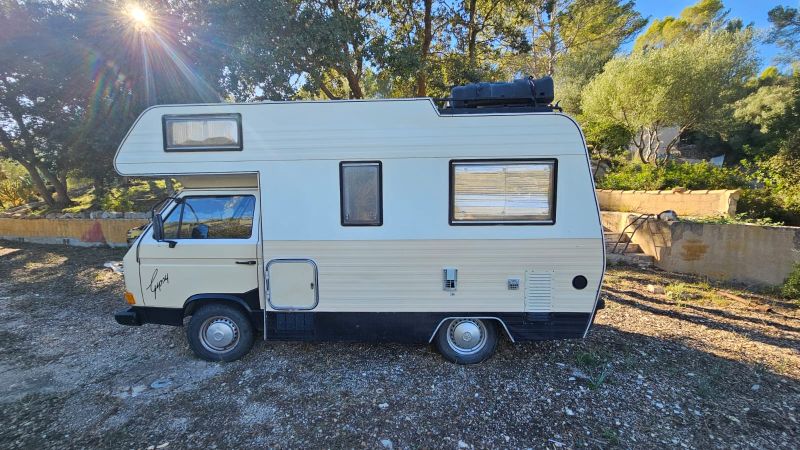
700, 366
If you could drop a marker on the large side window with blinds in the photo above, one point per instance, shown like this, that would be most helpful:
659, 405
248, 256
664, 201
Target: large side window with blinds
502, 192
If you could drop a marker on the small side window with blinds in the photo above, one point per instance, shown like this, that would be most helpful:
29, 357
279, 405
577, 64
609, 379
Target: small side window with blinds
361, 193
497, 192
202, 132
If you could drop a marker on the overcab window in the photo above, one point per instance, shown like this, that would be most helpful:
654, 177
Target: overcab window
211, 217
502, 192
202, 132
361, 193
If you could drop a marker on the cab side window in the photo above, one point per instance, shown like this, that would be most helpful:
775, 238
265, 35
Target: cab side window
211, 217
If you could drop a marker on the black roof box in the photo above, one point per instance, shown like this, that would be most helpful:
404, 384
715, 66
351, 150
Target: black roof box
525, 91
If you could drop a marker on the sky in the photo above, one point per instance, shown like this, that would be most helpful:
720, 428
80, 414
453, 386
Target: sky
754, 11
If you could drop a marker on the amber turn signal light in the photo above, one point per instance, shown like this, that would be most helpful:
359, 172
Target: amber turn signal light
130, 298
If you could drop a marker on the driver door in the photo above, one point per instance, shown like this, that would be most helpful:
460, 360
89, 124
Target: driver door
215, 251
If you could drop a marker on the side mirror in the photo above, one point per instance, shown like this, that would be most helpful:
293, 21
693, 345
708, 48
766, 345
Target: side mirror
158, 227
158, 231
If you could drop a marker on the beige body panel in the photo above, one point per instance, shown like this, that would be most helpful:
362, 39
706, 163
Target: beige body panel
406, 275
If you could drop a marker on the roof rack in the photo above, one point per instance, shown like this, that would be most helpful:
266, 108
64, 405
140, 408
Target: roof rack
518, 96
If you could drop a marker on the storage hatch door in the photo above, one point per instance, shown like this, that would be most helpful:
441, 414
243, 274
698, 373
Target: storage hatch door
292, 284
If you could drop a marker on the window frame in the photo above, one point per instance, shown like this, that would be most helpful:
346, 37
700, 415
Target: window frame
451, 195
342, 165
166, 118
181, 205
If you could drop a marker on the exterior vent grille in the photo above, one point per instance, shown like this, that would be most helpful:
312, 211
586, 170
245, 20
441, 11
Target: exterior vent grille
538, 291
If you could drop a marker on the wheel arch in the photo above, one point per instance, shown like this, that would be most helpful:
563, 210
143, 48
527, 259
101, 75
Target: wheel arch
493, 318
245, 302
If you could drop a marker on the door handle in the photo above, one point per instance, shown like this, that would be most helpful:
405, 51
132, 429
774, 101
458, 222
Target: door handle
248, 263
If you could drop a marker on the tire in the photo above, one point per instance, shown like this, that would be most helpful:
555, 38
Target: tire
219, 332
463, 328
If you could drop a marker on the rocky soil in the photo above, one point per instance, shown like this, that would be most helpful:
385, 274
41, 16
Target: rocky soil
694, 365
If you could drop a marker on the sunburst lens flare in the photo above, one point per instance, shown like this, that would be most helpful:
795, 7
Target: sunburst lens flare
139, 15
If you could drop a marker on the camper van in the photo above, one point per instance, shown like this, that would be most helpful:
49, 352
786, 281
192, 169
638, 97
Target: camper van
407, 220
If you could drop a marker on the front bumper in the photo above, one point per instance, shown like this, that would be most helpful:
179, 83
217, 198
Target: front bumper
139, 315
128, 316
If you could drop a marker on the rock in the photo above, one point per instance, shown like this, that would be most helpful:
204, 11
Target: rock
136, 390
655, 289
569, 412
755, 387
462, 444
164, 445
387, 443
116, 215
95, 214
51, 216
383, 405
161, 383
105, 215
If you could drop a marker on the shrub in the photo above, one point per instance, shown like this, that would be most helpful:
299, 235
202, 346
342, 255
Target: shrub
764, 204
791, 287
15, 185
672, 175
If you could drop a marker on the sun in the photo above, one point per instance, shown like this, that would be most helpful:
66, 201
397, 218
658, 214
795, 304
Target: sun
139, 15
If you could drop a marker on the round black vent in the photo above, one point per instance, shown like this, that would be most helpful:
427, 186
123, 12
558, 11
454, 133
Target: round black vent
579, 282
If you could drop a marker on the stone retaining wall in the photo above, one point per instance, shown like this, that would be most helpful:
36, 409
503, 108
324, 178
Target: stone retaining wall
735, 252
688, 203
81, 232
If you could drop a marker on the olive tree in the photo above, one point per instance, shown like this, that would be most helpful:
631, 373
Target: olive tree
688, 85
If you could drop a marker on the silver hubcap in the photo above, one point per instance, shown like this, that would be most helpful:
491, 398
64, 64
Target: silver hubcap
219, 334
466, 336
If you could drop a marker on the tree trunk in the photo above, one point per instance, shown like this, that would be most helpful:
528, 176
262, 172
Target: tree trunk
62, 196
427, 37
354, 82
170, 186
38, 183
472, 31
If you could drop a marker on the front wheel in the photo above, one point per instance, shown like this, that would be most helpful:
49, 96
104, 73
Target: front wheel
219, 333
467, 340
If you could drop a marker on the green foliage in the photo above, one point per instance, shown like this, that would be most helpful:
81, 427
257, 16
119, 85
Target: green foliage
138, 196
607, 140
15, 185
791, 287
765, 205
687, 85
785, 32
672, 175
693, 20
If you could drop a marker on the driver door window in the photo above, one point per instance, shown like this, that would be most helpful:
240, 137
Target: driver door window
211, 217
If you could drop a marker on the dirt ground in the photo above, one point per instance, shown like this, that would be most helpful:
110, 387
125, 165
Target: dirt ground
699, 366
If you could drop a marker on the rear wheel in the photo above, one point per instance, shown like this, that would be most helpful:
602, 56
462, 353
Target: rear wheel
467, 340
219, 333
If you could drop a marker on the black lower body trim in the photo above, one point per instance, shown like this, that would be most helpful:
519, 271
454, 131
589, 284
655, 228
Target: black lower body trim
413, 327
139, 315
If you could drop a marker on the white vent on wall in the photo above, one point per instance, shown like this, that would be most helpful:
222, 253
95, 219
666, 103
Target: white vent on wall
538, 291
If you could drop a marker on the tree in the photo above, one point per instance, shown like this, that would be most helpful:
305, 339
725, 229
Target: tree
274, 50
554, 28
35, 68
403, 48
687, 85
703, 16
785, 32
